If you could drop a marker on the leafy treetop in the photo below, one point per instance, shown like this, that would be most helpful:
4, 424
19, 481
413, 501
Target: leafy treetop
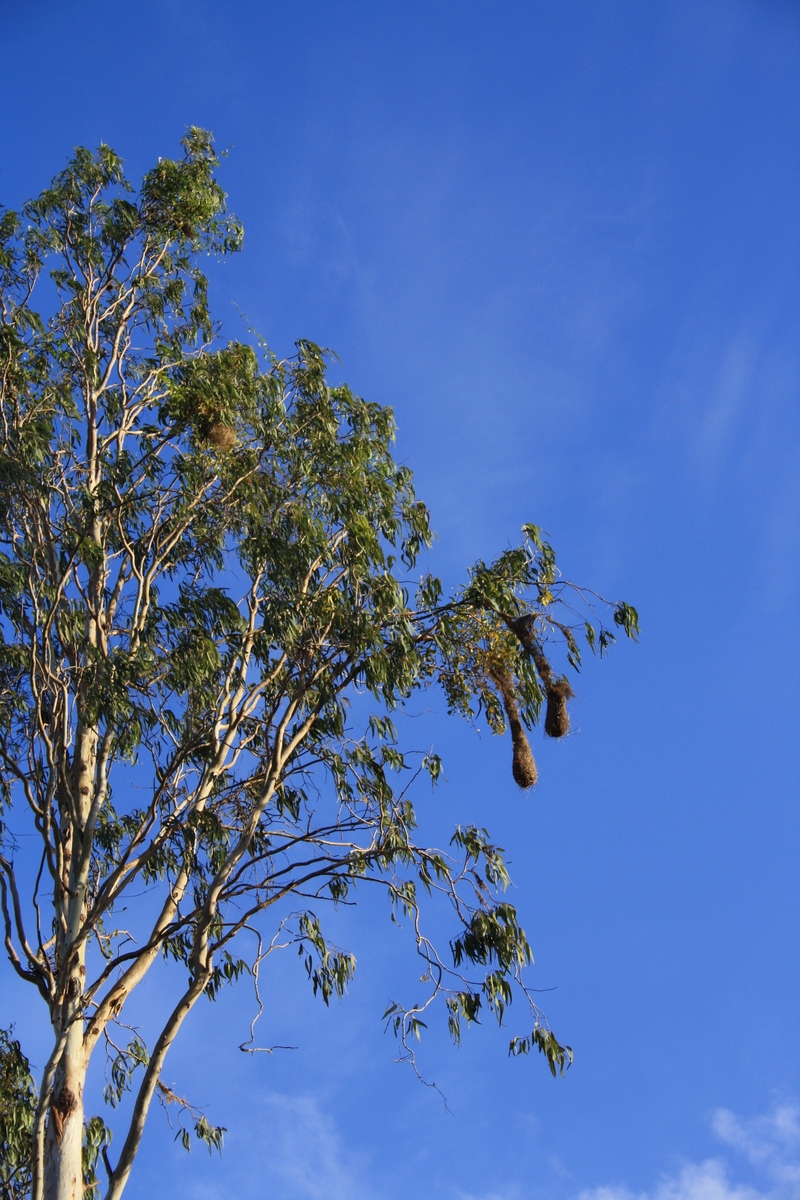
207, 555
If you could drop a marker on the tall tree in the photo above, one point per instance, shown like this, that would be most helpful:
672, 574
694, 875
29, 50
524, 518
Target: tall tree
207, 554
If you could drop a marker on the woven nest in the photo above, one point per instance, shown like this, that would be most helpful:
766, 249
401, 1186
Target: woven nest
556, 721
523, 764
222, 436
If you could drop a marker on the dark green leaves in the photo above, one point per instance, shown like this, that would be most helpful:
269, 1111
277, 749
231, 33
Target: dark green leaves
124, 1061
18, 1098
493, 935
627, 617
329, 969
96, 1138
559, 1058
181, 199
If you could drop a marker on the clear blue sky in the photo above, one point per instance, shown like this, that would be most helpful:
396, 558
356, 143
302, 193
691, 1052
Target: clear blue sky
562, 239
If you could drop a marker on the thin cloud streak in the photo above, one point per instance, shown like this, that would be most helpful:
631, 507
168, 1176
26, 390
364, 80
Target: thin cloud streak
770, 1143
305, 1151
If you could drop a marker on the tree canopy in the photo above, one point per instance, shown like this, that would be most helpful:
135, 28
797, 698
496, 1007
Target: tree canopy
210, 612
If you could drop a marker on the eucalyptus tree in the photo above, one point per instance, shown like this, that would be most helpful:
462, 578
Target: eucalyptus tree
207, 554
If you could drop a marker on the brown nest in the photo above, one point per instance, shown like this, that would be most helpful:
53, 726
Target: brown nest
523, 628
523, 764
222, 436
556, 721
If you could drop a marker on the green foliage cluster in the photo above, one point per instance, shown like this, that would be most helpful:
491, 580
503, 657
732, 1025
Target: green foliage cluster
17, 1110
208, 575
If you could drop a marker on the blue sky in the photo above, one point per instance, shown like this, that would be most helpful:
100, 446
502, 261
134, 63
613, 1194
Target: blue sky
562, 240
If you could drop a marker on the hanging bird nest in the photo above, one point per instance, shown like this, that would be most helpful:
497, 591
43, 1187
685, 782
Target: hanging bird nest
222, 436
523, 764
556, 721
523, 628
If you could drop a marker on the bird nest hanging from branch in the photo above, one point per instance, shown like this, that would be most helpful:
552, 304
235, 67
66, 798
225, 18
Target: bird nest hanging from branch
523, 764
556, 721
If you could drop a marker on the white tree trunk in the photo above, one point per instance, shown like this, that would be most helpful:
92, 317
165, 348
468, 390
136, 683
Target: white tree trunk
63, 1174
63, 1168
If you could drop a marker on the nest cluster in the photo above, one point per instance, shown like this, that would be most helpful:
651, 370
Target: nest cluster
557, 691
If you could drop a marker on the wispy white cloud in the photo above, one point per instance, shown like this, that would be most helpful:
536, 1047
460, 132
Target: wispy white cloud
770, 1143
307, 1154
695, 1181
731, 393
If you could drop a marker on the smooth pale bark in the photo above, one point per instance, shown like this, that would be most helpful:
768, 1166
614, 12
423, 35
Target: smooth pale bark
63, 1174
63, 1168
